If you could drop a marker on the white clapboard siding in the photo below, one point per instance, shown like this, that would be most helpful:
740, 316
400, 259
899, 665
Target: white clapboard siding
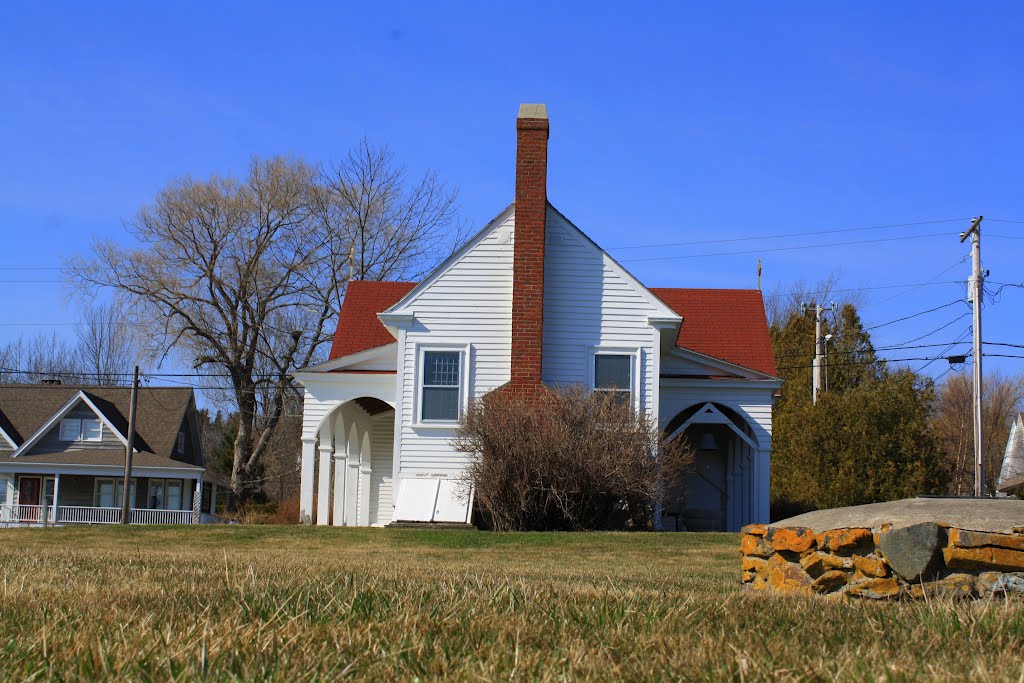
588, 303
382, 437
469, 302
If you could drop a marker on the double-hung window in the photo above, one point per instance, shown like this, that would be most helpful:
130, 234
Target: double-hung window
109, 492
613, 374
441, 386
74, 429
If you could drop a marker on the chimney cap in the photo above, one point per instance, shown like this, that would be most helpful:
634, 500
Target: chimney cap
533, 111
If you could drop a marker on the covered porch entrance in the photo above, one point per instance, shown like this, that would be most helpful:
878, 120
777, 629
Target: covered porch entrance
721, 491
347, 465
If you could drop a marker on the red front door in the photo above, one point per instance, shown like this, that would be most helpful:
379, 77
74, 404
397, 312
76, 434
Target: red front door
28, 490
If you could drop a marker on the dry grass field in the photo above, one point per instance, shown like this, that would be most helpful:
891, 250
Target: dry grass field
289, 604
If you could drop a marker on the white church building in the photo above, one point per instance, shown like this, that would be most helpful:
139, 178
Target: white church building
528, 301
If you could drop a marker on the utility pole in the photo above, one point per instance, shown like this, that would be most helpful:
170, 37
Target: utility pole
828, 338
820, 349
975, 285
817, 353
129, 449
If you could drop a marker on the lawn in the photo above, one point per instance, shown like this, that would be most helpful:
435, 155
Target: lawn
299, 603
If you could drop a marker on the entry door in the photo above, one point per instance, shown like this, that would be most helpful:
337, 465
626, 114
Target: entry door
28, 490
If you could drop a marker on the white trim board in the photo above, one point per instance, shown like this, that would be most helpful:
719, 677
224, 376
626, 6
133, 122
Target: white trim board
8, 438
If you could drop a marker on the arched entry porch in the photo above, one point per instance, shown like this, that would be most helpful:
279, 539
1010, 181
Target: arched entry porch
722, 490
347, 465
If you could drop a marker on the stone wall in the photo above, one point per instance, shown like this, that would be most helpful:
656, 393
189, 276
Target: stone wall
920, 560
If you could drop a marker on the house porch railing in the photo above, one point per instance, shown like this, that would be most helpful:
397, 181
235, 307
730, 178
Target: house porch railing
38, 515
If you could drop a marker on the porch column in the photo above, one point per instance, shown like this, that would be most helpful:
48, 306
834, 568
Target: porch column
56, 492
365, 470
306, 481
197, 501
761, 508
352, 478
340, 449
323, 499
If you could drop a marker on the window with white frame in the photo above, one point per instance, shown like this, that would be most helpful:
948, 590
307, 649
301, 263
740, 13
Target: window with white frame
165, 494
613, 373
108, 492
441, 385
75, 429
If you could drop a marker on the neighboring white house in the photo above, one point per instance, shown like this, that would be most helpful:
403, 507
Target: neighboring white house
531, 300
1011, 474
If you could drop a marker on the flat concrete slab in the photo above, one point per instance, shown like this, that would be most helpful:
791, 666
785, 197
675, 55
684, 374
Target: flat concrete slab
995, 515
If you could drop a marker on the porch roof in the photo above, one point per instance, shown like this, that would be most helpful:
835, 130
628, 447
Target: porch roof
97, 457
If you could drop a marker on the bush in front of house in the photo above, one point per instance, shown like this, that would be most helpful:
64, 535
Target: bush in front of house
567, 459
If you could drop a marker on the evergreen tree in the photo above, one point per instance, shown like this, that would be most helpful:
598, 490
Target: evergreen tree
868, 438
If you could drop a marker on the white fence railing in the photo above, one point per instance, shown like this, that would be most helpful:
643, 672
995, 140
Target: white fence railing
33, 515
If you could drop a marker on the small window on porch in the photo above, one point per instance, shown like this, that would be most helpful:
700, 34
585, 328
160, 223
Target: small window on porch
441, 386
613, 374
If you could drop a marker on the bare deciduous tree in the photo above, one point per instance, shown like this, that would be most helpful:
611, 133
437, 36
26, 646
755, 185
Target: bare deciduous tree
953, 423
243, 278
29, 360
108, 346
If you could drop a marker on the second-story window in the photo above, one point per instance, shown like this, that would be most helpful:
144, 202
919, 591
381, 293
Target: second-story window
74, 429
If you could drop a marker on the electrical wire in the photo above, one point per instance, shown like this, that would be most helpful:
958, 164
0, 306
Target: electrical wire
914, 315
832, 231
775, 249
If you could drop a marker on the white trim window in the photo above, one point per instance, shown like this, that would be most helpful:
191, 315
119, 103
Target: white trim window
614, 371
108, 491
441, 386
164, 494
441, 378
75, 429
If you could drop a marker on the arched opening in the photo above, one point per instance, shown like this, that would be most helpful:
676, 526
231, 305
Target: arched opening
718, 494
351, 473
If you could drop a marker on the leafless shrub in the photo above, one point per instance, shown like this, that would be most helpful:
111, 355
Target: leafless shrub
566, 459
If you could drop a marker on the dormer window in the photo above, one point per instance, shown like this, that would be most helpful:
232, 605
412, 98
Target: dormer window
180, 443
75, 429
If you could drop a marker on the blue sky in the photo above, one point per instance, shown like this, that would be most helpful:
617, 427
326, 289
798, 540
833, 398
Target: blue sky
670, 123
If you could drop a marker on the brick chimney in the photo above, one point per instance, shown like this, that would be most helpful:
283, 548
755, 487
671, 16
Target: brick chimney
528, 251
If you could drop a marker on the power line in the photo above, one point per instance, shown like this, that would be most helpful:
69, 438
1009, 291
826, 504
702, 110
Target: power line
889, 360
795, 248
778, 295
785, 235
913, 315
939, 329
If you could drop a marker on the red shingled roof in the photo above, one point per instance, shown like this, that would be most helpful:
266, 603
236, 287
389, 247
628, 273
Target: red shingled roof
728, 324
358, 326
